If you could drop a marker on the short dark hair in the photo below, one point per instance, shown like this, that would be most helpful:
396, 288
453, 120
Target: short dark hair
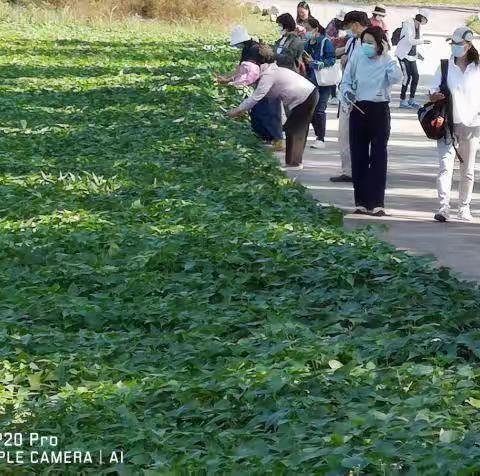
356, 16
472, 55
419, 18
287, 21
379, 37
338, 24
314, 23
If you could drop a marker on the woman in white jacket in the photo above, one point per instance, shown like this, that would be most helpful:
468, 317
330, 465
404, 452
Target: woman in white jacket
407, 54
463, 82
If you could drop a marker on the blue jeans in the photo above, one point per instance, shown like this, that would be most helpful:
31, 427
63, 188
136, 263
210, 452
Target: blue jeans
319, 119
266, 119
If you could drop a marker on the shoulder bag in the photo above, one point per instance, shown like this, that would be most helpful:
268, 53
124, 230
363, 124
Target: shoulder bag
331, 75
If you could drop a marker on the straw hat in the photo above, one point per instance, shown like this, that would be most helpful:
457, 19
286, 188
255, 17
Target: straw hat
380, 10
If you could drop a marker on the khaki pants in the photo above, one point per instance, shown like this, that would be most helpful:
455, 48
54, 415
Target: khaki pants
344, 142
468, 140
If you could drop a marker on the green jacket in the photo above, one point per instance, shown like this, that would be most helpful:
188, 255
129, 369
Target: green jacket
289, 55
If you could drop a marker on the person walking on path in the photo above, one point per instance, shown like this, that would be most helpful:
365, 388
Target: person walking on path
378, 18
319, 54
289, 47
366, 90
463, 81
355, 23
299, 96
266, 116
407, 54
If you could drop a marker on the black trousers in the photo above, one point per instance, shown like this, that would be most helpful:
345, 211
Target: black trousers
296, 128
410, 78
369, 136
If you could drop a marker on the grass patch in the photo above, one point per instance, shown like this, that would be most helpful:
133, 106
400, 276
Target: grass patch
219, 11
166, 291
446, 3
474, 23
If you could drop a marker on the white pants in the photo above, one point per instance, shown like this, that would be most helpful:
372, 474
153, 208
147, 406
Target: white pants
468, 140
344, 142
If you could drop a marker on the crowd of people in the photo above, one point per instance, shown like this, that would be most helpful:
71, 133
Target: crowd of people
350, 63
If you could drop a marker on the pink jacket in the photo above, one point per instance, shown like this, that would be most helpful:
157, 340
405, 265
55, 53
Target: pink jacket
379, 22
247, 74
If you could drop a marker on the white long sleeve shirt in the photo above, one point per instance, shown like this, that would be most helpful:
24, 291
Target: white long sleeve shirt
408, 40
465, 90
370, 79
282, 83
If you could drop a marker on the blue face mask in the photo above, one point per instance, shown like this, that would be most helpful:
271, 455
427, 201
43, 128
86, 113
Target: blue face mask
458, 51
309, 35
369, 50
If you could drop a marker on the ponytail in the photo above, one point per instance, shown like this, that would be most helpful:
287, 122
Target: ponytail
472, 55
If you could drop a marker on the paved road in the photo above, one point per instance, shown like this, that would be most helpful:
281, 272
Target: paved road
413, 163
441, 24
411, 195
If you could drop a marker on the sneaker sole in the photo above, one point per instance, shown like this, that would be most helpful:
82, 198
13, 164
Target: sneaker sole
440, 218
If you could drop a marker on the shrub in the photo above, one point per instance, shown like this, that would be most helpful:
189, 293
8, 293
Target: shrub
220, 11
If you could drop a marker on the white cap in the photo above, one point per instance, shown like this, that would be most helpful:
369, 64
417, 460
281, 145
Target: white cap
425, 12
460, 34
274, 10
239, 35
341, 15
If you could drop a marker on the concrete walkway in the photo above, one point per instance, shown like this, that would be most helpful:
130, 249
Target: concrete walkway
411, 195
413, 163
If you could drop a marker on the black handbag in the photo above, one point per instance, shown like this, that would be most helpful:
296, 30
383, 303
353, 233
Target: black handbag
436, 118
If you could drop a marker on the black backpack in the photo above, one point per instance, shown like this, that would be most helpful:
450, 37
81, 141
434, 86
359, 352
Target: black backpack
433, 115
396, 36
436, 118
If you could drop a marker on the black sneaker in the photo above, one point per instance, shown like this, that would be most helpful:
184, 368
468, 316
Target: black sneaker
341, 178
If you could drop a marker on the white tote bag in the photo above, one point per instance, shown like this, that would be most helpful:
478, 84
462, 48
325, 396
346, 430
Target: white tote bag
328, 76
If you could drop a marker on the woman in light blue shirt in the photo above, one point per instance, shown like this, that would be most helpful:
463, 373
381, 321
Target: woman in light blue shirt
365, 89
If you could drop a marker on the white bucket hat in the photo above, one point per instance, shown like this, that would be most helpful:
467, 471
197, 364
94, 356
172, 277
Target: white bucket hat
425, 12
239, 35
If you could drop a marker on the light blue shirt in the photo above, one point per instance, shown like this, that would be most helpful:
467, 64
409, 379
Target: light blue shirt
370, 79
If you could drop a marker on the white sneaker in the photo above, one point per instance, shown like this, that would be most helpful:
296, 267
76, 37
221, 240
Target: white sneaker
334, 101
318, 144
293, 167
464, 214
442, 215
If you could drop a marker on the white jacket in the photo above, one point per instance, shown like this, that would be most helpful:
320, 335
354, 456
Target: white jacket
408, 40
